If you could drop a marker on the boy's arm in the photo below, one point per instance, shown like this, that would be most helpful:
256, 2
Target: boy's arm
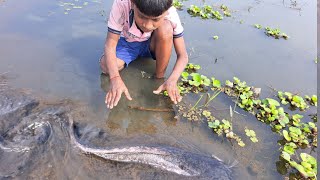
117, 86
171, 83
182, 59
110, 57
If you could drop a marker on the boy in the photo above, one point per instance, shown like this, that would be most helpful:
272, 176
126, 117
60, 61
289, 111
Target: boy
146, 28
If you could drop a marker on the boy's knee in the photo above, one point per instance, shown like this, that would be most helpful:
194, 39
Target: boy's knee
165, 31
104, 68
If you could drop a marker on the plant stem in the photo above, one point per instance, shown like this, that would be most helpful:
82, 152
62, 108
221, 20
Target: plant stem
211, 98
196, 103
150, 109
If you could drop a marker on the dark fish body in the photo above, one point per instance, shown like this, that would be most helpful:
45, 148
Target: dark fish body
163, 157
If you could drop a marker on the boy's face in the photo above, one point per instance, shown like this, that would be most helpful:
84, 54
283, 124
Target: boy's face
147, 23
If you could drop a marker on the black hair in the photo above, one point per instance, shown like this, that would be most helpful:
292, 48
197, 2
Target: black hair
153, 8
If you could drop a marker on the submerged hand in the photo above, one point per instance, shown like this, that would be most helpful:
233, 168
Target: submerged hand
117, 87
172, 89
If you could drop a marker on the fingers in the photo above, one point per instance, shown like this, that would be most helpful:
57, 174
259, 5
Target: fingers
113, 98
158, 90
116, 99
175, 95
126, 92
108, 99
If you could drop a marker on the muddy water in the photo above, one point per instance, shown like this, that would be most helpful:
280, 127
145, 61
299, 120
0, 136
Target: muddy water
56, 55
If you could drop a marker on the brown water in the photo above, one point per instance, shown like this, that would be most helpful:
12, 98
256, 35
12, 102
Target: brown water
56, 55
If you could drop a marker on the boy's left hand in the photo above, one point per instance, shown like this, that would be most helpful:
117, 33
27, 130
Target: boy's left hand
172, 89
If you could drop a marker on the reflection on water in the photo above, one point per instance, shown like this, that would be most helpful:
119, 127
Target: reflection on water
56, 55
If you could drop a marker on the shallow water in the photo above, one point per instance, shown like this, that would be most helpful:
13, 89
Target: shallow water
56, 55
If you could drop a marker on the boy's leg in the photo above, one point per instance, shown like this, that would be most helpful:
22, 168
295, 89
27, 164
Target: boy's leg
120, 64
161, 45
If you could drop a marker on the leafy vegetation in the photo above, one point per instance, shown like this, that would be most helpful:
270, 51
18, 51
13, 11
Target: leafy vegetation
177, 4
295, 100
208, 12
258, 26
276, 33
297, 134
251, 134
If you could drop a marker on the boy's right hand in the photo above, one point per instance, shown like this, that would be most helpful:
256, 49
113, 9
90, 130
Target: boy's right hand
117, 87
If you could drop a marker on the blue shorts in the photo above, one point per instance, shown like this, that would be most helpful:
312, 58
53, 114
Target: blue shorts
130, 51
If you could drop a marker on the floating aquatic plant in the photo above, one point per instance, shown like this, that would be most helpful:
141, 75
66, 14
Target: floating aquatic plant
313, 100
258, 26
276, 33
177, 4
251, 134
297, 134
307, 167
225, 127
294, 100
207, 12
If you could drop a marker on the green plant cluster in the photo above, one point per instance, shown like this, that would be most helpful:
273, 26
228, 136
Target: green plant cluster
226, 10
276, 33
251, 134
307, 167
258, 26
191, 81
269, 112
296, 134
208, 12
223, 127
313, 100
246, 94
295, 100
177, 4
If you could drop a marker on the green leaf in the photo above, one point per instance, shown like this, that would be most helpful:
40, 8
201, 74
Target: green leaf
297, 117
229, 83
285, 156
196, 77
297, 99
295, 130
236, 80
226, 123
300, 169
273, 102
216, 83
250, 133
312, 125
308, 158
185, 75
278, 127
286, 135
306, 165
290, 150
243, 96
206, 113
206, 81
283, 120
214, 124
254, 139
241, 144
